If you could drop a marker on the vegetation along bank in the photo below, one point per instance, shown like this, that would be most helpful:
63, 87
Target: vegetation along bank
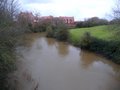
104, 40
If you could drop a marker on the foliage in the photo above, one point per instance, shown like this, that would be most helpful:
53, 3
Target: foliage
94, 21
8, 40
7, 61
9, 33
116, 12
39, 26
8, 11
61, 31
110, 49
100, 32
57, 29
62, 34
49, 32
54, 27
104, 43
85, 40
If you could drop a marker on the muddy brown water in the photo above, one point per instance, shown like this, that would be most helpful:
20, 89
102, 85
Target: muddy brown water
46, 64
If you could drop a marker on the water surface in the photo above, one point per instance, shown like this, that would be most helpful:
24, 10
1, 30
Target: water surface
46, 64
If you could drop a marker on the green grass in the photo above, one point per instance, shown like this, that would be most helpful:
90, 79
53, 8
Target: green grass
104, 40
103, 32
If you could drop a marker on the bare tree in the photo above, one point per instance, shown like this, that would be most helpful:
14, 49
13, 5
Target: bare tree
37, 17
8, 10
25, 18
116, 12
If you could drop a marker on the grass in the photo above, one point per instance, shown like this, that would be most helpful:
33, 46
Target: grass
104, 40
101, 32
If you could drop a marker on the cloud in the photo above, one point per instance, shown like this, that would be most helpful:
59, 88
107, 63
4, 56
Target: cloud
35, 1
80, 9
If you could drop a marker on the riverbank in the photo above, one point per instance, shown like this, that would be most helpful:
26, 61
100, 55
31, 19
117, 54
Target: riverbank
100, 32
10, 37
100, 39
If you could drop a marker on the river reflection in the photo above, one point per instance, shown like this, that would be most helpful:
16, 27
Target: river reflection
63, 48
87, 58
50, 41
51, 65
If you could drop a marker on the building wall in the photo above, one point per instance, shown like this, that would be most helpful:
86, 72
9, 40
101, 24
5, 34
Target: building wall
32, 19
68, 20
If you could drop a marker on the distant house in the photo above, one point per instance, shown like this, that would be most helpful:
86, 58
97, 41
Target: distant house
67, 20
46, 17
33, 19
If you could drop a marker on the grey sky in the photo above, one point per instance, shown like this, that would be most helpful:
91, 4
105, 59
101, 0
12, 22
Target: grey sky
80, 9
35, 1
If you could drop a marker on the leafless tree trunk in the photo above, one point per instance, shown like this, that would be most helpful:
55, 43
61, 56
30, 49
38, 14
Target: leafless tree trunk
8, 10
116, 12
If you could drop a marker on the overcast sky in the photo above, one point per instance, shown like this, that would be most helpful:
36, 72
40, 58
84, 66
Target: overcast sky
80, 9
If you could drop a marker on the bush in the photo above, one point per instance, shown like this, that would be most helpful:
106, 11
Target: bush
110, 49
94, 21
57, 29
62, 35
7, 65
9, 38
85, 40
49, 32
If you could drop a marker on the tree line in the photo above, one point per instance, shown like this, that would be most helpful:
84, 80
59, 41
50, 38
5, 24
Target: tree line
96, 21
90, 22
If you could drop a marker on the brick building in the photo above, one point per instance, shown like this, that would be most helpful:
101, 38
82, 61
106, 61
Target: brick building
67, 20
33, 19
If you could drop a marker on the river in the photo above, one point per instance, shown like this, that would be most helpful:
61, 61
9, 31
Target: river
46, 64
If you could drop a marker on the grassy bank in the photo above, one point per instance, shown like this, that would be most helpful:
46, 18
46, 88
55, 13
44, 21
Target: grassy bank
100, 39
100, 32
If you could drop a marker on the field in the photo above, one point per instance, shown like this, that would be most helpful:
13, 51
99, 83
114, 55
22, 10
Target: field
105, 40
104, 32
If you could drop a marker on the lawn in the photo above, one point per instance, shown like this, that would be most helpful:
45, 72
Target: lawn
103, 32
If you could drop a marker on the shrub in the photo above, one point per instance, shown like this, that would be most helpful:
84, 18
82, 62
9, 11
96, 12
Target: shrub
57, 29
62, 34
90, 22
110, 49
49, 32
8, 39
85, 40
7, 65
